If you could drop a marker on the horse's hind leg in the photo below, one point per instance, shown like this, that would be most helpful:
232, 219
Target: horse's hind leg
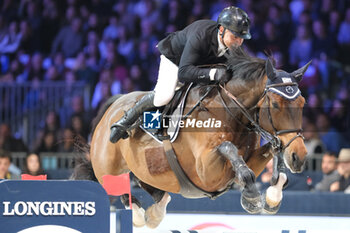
156, 212
138, 213
250, 199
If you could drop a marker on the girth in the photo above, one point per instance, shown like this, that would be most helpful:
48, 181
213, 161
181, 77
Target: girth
187, 188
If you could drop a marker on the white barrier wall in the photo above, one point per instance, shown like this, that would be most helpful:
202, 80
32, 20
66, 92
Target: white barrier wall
251, 223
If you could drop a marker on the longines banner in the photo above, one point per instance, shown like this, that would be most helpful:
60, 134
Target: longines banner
53, 206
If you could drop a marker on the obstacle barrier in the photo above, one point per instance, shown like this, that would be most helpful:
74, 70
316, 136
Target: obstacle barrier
79, 206
217, 231
58, 206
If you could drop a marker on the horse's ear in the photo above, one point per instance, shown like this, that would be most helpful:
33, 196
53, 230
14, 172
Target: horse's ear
270, 70
299, 73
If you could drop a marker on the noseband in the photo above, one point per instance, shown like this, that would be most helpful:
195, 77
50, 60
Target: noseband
273, 139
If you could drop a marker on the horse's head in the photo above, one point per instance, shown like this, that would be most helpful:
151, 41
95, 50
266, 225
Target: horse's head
281, 113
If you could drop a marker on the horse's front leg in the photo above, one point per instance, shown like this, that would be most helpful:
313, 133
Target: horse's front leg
257, 162
273, 196
251, 199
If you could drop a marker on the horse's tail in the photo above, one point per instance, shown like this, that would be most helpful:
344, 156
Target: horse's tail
82, 164
102, 111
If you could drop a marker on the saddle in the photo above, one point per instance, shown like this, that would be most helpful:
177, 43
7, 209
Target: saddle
172, 113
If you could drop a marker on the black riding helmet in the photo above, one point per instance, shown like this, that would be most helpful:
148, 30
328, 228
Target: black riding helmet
236, 20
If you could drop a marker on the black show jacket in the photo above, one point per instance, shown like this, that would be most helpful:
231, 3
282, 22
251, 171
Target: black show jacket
197, 44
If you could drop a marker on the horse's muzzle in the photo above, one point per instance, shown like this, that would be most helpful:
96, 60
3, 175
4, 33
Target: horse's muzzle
297, 165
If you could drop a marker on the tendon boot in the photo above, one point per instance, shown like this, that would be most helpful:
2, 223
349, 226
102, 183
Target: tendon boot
118, 129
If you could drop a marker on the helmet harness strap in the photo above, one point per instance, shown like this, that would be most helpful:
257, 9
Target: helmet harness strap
222, 37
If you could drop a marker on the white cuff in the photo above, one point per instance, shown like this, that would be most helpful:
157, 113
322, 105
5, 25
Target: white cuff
212, 73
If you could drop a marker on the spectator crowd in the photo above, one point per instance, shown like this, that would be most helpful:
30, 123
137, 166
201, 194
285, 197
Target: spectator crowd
110, 46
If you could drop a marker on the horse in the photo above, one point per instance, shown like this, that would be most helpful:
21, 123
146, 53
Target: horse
258, 101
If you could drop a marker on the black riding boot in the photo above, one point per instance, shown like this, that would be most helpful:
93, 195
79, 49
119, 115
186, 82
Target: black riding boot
118, 129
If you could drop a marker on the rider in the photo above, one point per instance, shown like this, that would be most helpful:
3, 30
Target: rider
202, 42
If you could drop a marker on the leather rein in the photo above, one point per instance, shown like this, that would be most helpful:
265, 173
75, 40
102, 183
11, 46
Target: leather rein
273, 139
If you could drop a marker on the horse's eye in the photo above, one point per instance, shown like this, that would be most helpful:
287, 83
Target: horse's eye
275, 105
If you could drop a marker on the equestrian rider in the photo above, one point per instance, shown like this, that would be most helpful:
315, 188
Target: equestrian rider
202, 42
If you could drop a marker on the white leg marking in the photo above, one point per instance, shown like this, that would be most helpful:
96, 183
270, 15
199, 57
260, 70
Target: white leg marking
155, 213
274, 193
138, 216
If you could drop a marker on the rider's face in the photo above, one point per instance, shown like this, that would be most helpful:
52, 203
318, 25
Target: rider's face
230, 39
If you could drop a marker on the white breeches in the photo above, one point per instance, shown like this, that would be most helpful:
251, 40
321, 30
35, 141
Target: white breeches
166, 83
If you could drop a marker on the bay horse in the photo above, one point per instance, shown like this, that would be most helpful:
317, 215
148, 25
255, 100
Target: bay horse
258, 101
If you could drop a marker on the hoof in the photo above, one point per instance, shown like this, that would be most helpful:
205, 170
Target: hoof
268, 209
152, 219
252, 205
155, 213
138, 216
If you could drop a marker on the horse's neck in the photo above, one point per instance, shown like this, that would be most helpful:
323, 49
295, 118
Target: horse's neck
248, 95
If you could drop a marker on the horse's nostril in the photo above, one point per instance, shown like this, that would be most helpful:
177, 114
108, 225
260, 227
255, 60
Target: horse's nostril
295, 160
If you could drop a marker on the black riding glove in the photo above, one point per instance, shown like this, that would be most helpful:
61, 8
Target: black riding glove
222, 75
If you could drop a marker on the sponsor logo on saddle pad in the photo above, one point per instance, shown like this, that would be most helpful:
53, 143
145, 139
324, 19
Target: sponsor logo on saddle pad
153, 120
48, 208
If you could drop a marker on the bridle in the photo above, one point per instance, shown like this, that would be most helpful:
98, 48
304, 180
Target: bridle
283, 131
273, 139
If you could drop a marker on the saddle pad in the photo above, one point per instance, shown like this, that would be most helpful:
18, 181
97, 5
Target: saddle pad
177, 115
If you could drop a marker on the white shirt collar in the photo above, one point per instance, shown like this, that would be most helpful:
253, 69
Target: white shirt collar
221, 48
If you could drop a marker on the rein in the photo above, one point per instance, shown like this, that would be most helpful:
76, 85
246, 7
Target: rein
273, 139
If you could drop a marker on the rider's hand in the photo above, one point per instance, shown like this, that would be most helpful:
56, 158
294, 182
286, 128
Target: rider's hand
222, 75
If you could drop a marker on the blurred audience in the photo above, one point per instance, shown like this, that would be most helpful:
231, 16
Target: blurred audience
343, 183
5, 162
67, 142
329, 170
331, 137
48, 143
300, 49
8, 142
77, 126
33, 165
266, 175
344, 38
69, 39
312, 140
